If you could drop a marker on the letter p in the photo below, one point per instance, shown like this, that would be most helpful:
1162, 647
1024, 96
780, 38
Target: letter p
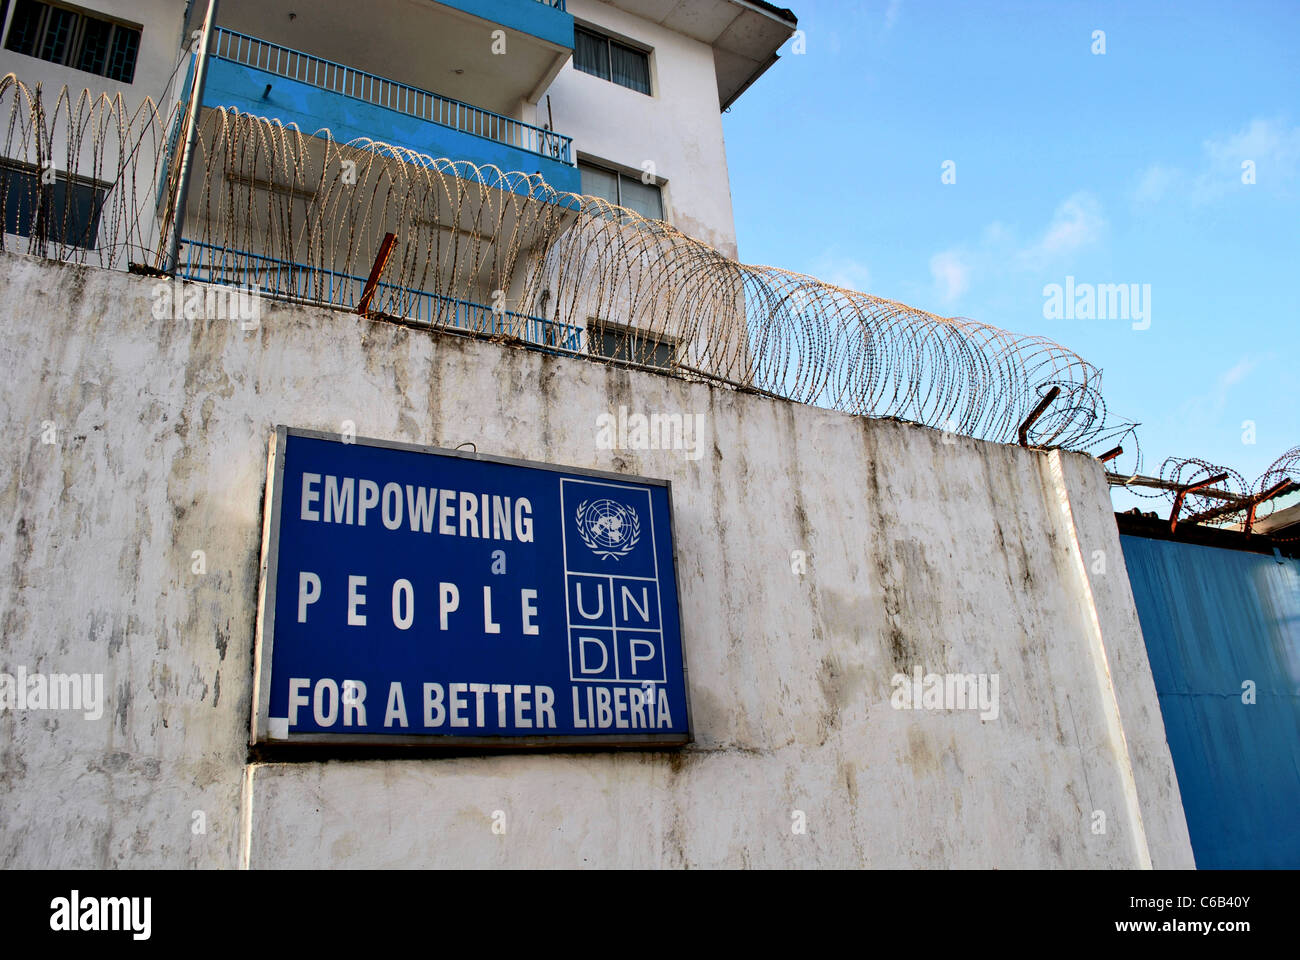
308, 593
649, 656
448, 602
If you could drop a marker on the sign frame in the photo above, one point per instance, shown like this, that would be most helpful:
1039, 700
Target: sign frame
264, 631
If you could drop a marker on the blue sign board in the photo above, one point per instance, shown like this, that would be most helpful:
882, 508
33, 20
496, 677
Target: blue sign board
420, 596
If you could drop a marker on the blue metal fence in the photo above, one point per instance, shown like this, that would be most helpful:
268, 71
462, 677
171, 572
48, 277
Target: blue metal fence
1222, 631
281, 279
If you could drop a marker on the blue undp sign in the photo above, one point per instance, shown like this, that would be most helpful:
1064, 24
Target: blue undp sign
419, 596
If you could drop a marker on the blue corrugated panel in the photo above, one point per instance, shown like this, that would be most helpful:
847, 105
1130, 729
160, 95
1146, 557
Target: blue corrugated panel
1214, 619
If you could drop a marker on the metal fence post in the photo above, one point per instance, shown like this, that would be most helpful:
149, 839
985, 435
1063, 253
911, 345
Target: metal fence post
191, 139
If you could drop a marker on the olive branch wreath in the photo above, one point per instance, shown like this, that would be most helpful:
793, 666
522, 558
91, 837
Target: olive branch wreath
597, 549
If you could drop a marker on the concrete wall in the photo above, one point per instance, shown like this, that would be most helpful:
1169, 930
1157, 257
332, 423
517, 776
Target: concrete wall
919, 550
679, 128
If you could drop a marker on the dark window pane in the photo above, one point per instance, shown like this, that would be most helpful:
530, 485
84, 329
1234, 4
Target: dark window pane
632, 347
591, 53
58, 35
74, 214
18, 188
121, 65
24, 31
59, 212
631, 68
644, 198
74, 39
94, 46
599, 183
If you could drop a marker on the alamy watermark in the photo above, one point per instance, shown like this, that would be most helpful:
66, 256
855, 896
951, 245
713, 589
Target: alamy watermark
75, 913
657, 431
1098, 301
946, 691
57, 691
176, 300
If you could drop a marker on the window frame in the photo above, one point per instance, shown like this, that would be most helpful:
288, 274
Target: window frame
611, 40
42, 211
626, 339
619, 176
75, 44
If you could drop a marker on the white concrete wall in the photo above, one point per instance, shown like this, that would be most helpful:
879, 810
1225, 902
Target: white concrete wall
679, 128
954, 555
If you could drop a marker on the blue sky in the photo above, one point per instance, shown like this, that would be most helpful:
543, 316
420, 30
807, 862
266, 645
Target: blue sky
1122, 167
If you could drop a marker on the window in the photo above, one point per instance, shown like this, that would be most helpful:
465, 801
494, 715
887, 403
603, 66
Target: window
626, 191
79, 40
605, 57
626, 343
65, 211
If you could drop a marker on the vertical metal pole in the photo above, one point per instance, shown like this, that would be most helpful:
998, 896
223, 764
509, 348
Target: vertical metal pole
191, 139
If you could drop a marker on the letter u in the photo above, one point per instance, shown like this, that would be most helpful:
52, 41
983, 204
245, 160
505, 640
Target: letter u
600, 608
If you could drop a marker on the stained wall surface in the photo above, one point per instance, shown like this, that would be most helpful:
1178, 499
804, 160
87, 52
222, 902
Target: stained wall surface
820, 556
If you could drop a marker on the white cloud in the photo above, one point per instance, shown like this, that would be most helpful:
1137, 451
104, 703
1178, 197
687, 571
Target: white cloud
951, 274
1077, 223
1236, 373
1000, 254
1155, 182
1271, 145
842, 271
891, 13
1208, 407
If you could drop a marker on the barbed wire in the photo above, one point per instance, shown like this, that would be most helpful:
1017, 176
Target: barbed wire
1187, 471
504, 255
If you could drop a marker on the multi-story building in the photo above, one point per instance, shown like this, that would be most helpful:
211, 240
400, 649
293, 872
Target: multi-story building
126, 47
608, 99
124, 53
534, 98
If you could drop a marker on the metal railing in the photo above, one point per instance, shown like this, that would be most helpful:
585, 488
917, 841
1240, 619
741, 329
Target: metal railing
403, 98
280, 279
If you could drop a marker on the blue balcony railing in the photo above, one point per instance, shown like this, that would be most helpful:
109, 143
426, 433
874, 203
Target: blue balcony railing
281, 279
382, 92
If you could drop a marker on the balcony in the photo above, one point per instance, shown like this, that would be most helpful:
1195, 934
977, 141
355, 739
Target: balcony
266, 79
500, 55
546, 20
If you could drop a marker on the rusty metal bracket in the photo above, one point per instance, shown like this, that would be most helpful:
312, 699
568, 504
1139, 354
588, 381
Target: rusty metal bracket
1184, 491
376, 271
1110, 455
1274, 491
1037, 412
1248, 503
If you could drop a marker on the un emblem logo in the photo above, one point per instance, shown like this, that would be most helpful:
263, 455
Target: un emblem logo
610, 529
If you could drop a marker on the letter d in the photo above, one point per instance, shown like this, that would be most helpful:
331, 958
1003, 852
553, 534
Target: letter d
582, 655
